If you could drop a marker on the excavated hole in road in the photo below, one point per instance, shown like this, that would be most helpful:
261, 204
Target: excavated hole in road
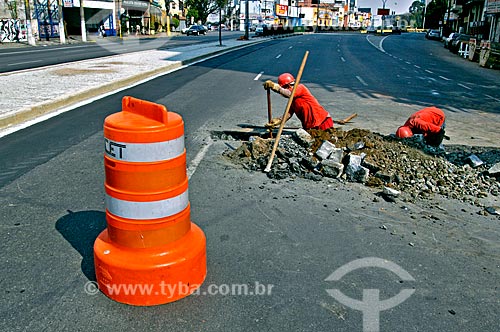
409, 166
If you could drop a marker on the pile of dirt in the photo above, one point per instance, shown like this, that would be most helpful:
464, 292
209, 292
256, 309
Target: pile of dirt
408, 165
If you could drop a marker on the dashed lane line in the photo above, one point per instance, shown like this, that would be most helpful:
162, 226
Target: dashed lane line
258, 76
361, 81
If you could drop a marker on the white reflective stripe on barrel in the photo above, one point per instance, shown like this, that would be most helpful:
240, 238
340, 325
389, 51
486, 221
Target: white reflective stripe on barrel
144, 152
147, 210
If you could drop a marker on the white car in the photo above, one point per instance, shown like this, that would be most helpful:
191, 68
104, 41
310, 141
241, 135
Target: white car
447, 40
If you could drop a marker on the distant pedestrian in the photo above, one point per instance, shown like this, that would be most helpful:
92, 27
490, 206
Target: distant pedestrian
46, 28
429, 122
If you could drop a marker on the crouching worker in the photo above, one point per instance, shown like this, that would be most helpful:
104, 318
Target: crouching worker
310, 113
430, 122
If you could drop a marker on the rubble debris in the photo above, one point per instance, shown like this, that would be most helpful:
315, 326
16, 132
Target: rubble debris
325, 150
407, 166
495, 210
475, 161
354, 171
391, 192
332, 169
303, 138
495, 169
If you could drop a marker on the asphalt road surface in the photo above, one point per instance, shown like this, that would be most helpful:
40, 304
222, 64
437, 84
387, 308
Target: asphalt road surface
288, 236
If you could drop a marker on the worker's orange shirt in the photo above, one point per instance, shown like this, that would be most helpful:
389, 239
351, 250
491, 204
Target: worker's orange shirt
307, 108
425, 121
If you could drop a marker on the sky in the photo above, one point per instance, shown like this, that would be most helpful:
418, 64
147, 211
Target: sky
399, 6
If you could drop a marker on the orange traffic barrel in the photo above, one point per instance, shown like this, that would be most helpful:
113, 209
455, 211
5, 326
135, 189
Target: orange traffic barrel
150, 253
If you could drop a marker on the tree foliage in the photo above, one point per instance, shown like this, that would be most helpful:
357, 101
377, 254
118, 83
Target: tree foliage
434, 13
202, 8
417, 7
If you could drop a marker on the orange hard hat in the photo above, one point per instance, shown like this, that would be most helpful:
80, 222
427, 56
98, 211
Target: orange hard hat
403, 132
285, 78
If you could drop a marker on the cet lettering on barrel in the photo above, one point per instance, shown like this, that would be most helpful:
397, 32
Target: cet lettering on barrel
112, 148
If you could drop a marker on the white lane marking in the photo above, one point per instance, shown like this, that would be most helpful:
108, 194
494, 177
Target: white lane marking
408, 62
342, 58
416, 66
491, 97
22, 63
379, 47
38, 50
278, 56
258, 76
380, 44
193, 165
445, 78
464, 86
361, 80
428, 71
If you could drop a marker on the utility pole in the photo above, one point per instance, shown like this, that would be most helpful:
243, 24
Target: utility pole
247, 19
82, 22
383, 17
29, 33
317, 17
425, 10
62, 31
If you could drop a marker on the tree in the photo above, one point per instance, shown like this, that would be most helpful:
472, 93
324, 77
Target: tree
417, 13
220, 4
435, 13
202, 8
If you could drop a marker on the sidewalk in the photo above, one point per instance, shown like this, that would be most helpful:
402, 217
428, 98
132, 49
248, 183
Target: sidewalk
35, 93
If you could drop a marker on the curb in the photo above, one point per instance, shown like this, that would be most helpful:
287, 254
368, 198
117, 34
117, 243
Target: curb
52, 106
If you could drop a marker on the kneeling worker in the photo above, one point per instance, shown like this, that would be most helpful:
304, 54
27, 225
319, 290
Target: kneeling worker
429, 122
304, 105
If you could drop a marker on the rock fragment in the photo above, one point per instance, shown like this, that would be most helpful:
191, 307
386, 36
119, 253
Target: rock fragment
494, 170
474, 160
303, 138
325, 150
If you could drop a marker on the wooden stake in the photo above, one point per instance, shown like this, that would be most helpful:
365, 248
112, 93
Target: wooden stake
269, 111
349, 118
288, 105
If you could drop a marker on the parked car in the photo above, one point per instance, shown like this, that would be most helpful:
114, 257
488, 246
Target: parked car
457, 42
259, 30
433, 34
196, 30
447, 40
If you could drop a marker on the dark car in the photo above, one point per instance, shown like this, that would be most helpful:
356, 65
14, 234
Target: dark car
456, 43
196, 30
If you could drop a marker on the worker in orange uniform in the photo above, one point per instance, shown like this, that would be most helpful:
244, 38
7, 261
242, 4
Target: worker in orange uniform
304, 105
429, 122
